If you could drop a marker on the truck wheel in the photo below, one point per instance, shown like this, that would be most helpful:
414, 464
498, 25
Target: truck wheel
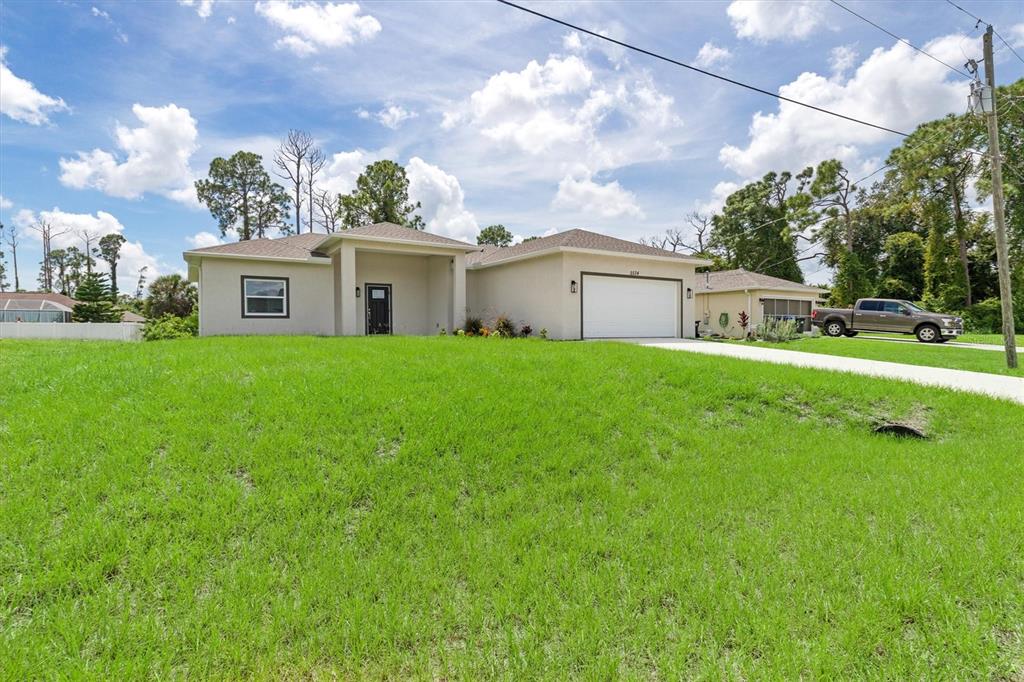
850, 334
928, 333
835, 328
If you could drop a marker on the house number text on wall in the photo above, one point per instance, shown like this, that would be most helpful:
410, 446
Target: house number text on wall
634, 273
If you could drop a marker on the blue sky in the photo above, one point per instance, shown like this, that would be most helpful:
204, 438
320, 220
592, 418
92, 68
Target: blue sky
109, 111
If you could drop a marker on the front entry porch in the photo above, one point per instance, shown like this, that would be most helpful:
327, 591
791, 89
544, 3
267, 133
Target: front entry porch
397, 289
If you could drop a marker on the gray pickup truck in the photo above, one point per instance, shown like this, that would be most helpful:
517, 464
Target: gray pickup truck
888, 315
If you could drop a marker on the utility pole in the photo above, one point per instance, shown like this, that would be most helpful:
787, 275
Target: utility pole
1002, 256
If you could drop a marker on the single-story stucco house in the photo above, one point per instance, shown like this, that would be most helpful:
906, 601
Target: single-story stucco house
388, 279
760, 296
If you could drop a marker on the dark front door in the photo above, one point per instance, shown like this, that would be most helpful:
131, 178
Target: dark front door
378, 308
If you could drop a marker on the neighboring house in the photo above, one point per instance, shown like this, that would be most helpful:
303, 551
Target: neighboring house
760, 296
388, 279
27, 306
31, 306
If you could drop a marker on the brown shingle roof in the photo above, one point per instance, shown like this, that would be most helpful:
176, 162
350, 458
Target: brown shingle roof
298, 246
732, 280
302, 246
398, 232
570, 239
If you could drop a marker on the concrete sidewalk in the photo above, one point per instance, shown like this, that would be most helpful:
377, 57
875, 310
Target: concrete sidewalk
994, 385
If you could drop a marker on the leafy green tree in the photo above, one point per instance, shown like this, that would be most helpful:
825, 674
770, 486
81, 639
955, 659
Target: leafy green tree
758, 228
93, 296
903, 268
381, 196
934, 164
170, 295
75, 268
59, 263
496, 235
110, 251
241, 196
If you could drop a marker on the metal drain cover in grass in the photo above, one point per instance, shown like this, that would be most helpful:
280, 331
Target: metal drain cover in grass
900, 430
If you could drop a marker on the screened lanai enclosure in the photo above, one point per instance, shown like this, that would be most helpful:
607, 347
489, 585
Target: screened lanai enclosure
32, 310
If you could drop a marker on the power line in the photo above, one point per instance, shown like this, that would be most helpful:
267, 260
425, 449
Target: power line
902, 40
699, 70
982, 21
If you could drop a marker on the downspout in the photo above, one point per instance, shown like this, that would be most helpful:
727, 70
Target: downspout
750, 313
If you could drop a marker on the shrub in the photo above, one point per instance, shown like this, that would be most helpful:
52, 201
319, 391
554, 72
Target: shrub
473, 325
460, 332
505, 327
171, 327
443, 332
986, 317
485, 331
776, 331
543, 332
526, 331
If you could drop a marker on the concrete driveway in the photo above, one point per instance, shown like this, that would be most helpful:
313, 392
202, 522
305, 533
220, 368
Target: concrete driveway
995, 385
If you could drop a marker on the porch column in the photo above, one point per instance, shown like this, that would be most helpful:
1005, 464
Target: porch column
347, 295
458, 291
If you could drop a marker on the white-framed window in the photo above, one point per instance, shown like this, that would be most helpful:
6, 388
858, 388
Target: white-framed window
264, 296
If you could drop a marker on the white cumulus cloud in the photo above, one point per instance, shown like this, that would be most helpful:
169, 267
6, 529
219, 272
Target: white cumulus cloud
582, 193
69, 228
5, 202
548, 108
391, 116
767, 20
155, 158
442, 201
309, 26
203, 239
20, 100
896, 87
343, 168
710, 55
204, 8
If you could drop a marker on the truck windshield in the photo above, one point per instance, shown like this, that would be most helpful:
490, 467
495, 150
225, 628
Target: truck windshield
912, 307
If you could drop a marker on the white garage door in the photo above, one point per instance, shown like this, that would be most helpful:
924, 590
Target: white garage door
628, 307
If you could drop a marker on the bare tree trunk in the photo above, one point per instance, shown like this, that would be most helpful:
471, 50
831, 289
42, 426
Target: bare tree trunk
12, 241
46, 234
961, 238
289, 160
87, 238
315, 161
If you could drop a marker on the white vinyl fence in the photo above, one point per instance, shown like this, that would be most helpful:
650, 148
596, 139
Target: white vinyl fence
98, 331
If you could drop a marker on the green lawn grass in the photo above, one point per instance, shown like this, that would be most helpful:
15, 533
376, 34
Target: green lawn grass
465, 508
929, 355
996, 339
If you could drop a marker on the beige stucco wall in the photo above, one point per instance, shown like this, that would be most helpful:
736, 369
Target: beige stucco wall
537, 290
527, 291
710, 305
311, 301
420, 290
